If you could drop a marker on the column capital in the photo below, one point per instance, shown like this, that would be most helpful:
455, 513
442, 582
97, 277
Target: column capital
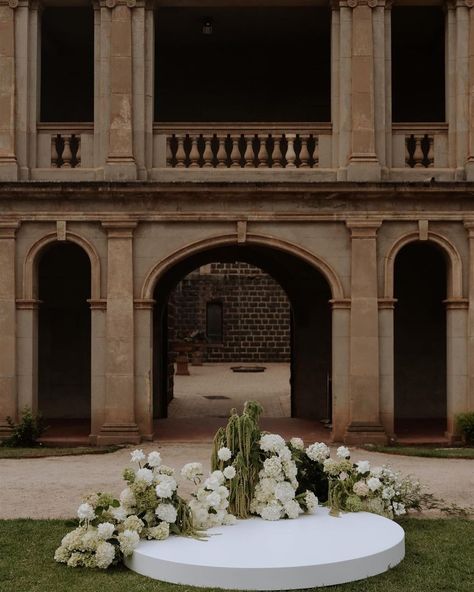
32, 304
128, 3
456, 303
340, 303
8, 229
469, 226
387, 303
99, 304
120, 229
336, 4
10, 3
453, 4
363, 228
144, 304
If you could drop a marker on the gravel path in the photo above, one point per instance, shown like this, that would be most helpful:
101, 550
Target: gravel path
52, 487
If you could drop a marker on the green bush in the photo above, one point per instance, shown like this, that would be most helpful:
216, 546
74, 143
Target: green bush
25, 434
465, 422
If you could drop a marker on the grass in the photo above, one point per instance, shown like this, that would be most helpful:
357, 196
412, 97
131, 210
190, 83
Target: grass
43, 451
426, 451
438, 559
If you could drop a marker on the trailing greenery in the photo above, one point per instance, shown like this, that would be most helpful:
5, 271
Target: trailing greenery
45, 451
241, 436
311, 476
438, 559
465, 423
423, 451
25, 433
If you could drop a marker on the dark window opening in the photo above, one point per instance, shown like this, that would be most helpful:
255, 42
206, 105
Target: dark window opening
214, 322
245, 64
418, 64
67, 65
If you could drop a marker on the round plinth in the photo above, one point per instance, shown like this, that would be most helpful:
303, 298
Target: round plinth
311, 551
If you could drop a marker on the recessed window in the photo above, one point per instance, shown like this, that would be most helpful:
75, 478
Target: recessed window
214, 322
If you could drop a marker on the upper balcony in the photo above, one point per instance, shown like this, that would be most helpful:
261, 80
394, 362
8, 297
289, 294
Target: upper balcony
163, 92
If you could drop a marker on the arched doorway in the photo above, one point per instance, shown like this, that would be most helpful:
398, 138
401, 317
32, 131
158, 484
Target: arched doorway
64, 337
309, 294
420, 338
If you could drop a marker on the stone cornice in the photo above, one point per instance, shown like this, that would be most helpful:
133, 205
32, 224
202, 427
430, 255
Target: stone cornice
128, 3
453, 4
363, 228
336, 4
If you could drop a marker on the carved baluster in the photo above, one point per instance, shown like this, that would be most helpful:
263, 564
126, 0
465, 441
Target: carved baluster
54, 150
194, 153
221, 152
78, 152
316, 152
431, 152
277, 155
418, 155
169, 152
180, 153
67, 154
290, 151
304, 152
263, 153
208, 156
235, 154
249, 155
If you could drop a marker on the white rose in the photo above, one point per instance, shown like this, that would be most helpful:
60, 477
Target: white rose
224, 454
229, 472
137, 455
154, 459
85, 512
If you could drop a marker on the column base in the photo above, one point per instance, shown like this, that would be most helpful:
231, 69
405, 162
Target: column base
8, 169
359, 433
120, 169
364, 168
118, 433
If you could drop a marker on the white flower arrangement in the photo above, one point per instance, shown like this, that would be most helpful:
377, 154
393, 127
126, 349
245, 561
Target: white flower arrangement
318, 452
224, 454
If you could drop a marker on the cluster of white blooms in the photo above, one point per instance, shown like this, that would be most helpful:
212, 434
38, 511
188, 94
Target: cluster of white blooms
224, 454
192, 471
275, 492
318, 452
210, 500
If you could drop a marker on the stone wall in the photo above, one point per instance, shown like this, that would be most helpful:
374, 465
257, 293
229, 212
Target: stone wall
256, 312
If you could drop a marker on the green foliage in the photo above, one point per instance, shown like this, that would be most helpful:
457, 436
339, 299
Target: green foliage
465, 423
311, 476
27, 431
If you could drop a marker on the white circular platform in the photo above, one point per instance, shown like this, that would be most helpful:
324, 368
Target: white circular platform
311, 551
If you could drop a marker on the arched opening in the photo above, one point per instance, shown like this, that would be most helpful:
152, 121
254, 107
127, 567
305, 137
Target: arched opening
420, 286
308, 324
64, 338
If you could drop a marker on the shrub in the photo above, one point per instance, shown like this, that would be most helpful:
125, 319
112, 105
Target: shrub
465, 422
25, 434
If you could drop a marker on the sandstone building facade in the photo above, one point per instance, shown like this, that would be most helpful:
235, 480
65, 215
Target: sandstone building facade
331, 145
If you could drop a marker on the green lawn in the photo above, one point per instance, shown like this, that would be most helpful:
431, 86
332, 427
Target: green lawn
426, 451
43, 451
439, 559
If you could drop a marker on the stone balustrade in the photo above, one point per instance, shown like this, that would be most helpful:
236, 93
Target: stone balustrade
419, 150
419, 146
66, 150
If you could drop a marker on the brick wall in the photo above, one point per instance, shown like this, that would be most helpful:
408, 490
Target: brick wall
256, 312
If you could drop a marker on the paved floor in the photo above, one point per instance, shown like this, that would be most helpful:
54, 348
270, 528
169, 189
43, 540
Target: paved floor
52, 487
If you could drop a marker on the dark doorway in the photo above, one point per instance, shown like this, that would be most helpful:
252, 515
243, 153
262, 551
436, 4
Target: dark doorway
67, 64
64, 333
243, 64
308, 293
420, 339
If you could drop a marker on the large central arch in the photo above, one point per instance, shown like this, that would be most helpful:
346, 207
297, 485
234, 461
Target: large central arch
310, 284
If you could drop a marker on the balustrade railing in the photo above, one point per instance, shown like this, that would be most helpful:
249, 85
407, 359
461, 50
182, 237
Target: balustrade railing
65, 151
65, 146
420, 145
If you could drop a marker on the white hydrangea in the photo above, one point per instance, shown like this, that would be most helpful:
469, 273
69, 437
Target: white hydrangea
388, 493
119, 513
297, 443
85, 512
137, 455
229, 472
215, 480
343, 476
290, 469
284, 454
166, 513
318, 452
106, 530
343, 452
145, 475
374, 483
128, 540
166, 486
284, 492
192, 471
272, 443
104, 555
224, 454
272, 467
363, 466
154, 459
398, 509
127, 498
272, 511
361, 488
213, 499
229, 520
159, 533
311, 501
292, 509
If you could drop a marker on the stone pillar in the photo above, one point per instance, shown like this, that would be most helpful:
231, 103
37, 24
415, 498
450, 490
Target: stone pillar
364, 380
364, 164
8, 384
139, 40
470, 329
120, 165
456, 368
8, 163
386, 340
341, 313
27, 351
98, 348
470, 91
119, 412
144, 366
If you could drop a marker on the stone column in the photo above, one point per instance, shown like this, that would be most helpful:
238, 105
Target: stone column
386, 339
470, 328
8, 163
98, 348
364, 164
27, 351
8, 384
470, 90
341, 313
144, 366
119, 412
120, 165
364, 380
456, 367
